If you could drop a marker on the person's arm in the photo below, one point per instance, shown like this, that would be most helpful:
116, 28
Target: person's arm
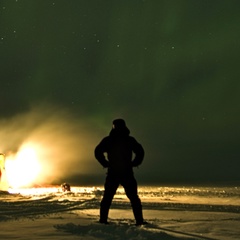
139, 153
99, 153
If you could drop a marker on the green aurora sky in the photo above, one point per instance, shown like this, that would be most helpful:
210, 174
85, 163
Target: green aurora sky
170, 68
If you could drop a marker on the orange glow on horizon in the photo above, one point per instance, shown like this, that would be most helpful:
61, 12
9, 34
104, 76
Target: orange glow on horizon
23, 168
52, 145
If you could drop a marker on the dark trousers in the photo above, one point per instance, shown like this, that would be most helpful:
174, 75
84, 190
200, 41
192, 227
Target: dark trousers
129, 184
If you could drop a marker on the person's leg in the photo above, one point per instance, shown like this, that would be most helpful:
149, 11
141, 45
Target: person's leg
130, 186
110, 186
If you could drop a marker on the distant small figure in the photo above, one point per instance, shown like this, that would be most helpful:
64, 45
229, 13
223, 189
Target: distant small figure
66, 187
119, 147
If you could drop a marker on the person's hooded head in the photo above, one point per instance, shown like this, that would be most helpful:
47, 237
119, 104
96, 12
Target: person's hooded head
119, 128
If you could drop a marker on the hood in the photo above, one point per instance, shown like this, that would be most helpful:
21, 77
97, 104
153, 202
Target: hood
119, 128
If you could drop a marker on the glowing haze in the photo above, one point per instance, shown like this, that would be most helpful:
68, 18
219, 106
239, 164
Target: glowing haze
24, 168
44, 146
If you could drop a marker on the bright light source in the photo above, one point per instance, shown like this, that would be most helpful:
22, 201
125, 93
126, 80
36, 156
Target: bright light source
24, 168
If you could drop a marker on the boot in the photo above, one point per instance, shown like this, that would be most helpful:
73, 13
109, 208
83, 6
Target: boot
103, 214
137, 212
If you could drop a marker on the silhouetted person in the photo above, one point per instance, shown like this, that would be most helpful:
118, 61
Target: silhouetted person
119, 148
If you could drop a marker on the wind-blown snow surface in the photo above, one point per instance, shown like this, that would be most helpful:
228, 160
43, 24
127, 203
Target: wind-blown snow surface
172, 213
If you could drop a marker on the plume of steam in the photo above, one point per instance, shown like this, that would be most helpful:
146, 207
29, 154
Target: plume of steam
64, 144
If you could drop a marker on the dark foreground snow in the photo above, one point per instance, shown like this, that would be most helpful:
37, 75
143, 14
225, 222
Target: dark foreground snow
172, 213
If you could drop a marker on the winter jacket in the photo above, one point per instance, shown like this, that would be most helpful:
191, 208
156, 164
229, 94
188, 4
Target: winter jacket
115, 152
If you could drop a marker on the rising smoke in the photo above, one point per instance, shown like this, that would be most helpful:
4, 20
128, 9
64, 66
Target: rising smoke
63, 143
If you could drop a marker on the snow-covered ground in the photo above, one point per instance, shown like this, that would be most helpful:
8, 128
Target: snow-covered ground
172, 213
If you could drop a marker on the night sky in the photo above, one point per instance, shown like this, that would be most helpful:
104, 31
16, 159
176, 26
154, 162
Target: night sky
170, 68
